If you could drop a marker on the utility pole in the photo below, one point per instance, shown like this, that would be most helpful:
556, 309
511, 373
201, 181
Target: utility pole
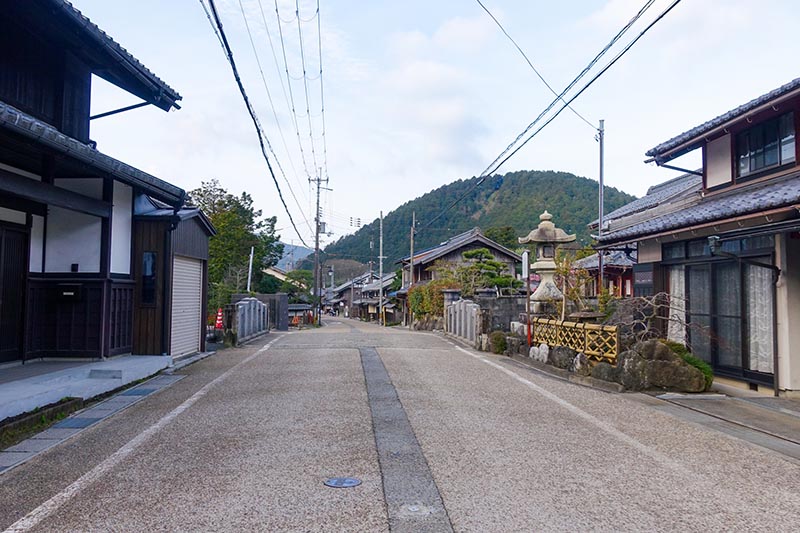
411, 265
601, 137
381, 317
250, 269
316, 296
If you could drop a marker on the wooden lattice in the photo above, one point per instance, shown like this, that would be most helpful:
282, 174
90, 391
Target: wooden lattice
600, 343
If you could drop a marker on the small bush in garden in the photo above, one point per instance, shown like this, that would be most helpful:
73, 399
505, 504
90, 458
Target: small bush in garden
497, 341
684, 353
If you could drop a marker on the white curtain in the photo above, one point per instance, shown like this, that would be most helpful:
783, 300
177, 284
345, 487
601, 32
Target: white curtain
676, 328
760, 308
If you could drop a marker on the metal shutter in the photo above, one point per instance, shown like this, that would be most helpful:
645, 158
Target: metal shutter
187, 293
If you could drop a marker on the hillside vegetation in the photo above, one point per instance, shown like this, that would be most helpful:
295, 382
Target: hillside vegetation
512, 200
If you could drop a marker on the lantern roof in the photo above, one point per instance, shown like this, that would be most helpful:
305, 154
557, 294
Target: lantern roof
547, 232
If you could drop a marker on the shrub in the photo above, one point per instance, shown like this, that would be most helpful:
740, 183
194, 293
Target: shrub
497, 341
684, 353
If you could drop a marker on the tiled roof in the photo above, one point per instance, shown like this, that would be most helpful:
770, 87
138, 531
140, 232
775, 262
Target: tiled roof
656, 195
455, 243
617, 258
771, 194
12, 119
115, 49
704, 128
375, 285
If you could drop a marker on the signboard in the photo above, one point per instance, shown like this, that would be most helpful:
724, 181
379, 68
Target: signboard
525, 264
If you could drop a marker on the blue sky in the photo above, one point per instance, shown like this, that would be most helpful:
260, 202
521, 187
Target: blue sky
419, 93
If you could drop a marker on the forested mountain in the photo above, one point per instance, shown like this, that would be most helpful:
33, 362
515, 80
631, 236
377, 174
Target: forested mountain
512, 200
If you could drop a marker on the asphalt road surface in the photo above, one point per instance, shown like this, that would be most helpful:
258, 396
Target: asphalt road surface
441, 437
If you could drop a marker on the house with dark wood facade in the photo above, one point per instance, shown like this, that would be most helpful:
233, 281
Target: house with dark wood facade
724, 242
451, 252
97, 258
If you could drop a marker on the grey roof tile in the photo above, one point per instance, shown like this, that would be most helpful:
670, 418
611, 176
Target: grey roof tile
656, 195
725, 117
772, 194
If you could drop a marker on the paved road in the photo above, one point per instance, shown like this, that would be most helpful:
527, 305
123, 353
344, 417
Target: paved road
441, 437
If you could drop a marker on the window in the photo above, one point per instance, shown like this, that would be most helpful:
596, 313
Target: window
766, 145
148, 278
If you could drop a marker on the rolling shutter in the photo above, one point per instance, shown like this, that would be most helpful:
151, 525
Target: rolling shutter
187, 294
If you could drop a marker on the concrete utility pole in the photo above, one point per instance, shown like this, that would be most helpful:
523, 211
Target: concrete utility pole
411, 264
316, 296
601, 137
381, 317
250, 269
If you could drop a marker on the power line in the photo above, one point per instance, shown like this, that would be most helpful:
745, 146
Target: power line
577, 78
251, 111
591, 64
590, 82
322, 93
538, 74
274, 114
291, 93
305, 83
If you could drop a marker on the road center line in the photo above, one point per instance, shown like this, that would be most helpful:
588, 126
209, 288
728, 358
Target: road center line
413, 501
47, 508
600, 424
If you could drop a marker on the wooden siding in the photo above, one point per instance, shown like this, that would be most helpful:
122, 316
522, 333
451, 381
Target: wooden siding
120, 338
148, 319
190, 239
44, 80
64, 327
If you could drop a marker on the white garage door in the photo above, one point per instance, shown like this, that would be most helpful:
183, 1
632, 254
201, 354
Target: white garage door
187, 294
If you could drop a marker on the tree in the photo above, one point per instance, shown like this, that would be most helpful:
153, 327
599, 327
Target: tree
504, 236
298, 285
239, 227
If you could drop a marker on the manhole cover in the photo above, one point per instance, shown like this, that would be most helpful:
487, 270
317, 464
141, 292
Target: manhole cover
342, 482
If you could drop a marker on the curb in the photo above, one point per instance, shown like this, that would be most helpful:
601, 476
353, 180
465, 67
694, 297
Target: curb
558, 373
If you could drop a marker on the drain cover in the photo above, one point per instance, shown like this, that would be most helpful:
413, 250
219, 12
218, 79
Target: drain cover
342, 482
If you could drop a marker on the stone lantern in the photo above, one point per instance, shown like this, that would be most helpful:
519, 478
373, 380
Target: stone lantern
546, 237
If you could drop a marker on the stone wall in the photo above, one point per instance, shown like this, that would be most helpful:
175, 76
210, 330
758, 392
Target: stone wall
500, 311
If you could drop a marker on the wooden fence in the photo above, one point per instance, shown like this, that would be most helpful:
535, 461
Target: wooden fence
598, 342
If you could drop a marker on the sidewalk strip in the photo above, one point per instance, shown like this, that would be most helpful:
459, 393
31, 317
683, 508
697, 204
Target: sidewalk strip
600, 424
47, 508
412, 499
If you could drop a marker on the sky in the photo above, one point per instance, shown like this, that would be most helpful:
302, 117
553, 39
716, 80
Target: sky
421, 93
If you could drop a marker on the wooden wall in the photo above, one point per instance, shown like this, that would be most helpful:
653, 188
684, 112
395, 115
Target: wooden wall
148, 319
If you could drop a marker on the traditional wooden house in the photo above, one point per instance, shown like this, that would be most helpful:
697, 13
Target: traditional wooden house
451, 251
617, 273
77, 273
724, 242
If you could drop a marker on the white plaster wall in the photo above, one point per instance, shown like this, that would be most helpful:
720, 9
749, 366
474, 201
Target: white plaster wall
10, 215
37, 242
121, 225
788, 312
72, 238
719, 169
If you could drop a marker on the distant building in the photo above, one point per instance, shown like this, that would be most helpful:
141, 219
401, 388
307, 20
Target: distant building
451, 251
